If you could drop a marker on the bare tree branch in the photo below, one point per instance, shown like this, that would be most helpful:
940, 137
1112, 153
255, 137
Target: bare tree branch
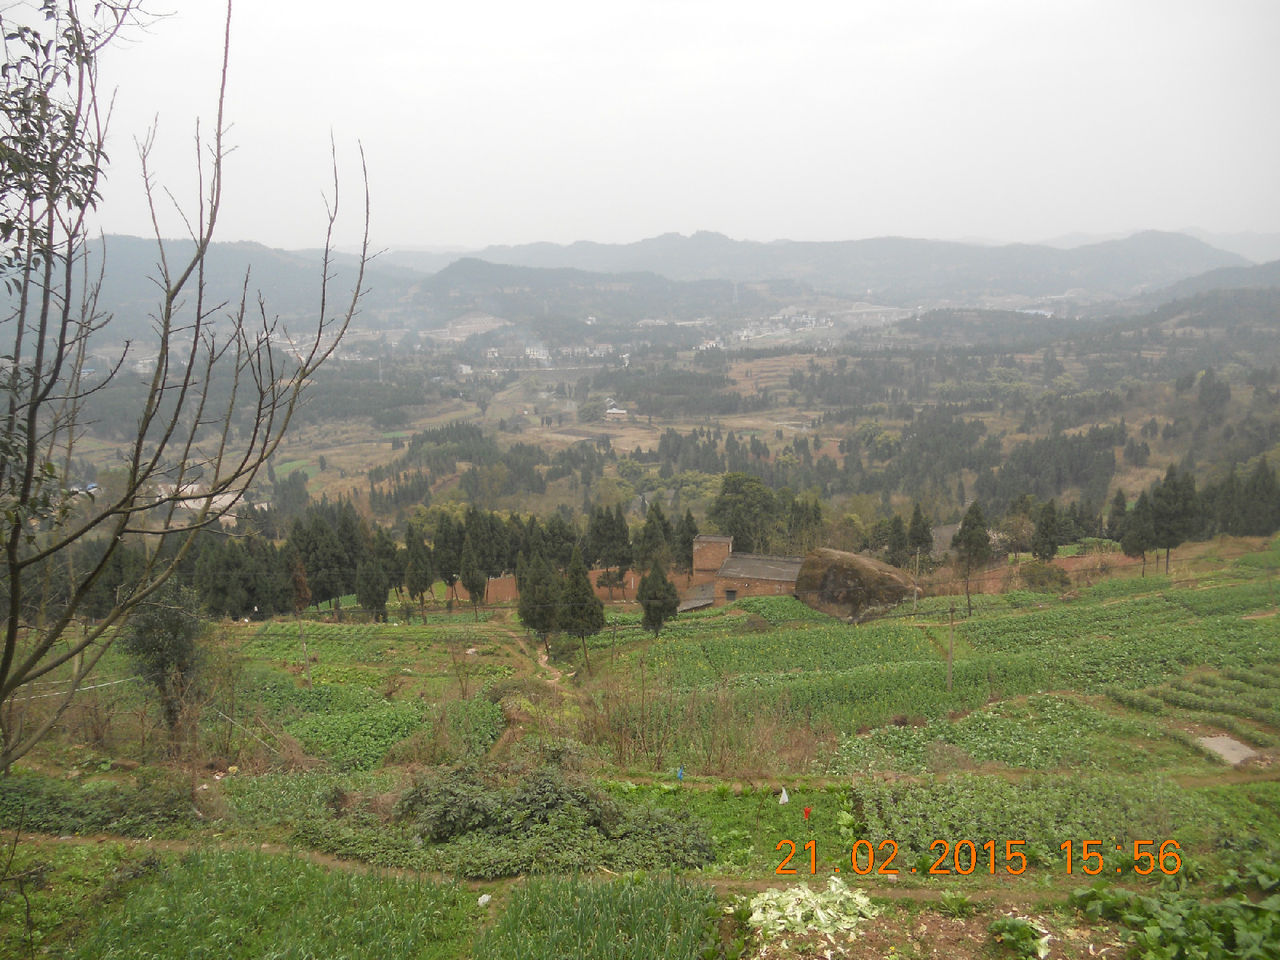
187, 462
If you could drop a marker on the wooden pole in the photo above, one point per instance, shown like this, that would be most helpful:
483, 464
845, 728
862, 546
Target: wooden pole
951, 642
915, 591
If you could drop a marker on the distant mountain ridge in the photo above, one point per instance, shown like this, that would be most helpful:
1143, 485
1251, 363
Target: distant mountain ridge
679, 277
897, 270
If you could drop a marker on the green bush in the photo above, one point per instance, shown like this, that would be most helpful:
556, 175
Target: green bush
146, 805
1044, 577
545, 822
449, 805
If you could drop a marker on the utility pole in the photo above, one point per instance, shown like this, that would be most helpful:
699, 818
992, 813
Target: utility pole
915, 592
951, 642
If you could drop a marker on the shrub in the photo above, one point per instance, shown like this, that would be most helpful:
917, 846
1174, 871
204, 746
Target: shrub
147, 805
1044, 577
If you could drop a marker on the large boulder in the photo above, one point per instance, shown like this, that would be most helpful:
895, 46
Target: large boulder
849, 585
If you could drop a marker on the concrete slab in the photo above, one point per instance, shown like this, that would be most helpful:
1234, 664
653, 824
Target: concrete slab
1229, 749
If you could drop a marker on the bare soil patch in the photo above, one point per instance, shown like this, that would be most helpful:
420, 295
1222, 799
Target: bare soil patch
1229, 749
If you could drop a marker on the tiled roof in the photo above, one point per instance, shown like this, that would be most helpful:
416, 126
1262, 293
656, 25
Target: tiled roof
756, 566
703, 595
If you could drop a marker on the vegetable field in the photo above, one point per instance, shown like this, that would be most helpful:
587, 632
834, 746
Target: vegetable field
461, 756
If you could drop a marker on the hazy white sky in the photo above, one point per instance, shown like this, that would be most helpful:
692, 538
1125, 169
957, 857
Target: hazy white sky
491, 121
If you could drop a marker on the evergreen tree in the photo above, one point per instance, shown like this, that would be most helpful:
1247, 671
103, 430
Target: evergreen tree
614, 545
540, 598
746, 510
581, 614
620, 543
384, 551
446, 550
686, 533
1173, 505
1224, 505
299, 588
599, 532
1139, 531
654, 542
372, 585
658, 598
896, 551
1044, 541
1260, 509
972, 545
1119, 513
472, 575
315, 540
522, 571
162, 640
561, 539
419, 572
919, 534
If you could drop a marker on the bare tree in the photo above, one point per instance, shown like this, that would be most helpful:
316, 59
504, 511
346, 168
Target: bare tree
189, 461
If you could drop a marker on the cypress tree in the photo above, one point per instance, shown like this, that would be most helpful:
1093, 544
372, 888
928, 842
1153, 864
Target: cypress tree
372, 584
472, 575
1044, 541
1173, 505
1139, 531
658, 598
655, 538
581, 614
919, 533
1119, 513
419, 573
540, 598
972, 545
686, 532
896, 550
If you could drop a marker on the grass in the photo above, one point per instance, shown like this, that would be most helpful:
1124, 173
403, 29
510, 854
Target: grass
241, 904
627, 919
61, 883
1068, 719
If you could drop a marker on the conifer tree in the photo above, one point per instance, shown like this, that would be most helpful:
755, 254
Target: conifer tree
419, 573
472, 575
446, 550
972, 545
658, 598
581, 614
654, 542
372, 585
1173, 506
686, 533
919, 533
540, 598
1139, 531
1119, 514
1044, 541
896, 550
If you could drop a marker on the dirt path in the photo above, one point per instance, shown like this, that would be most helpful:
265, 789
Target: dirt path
546, 665
553, 675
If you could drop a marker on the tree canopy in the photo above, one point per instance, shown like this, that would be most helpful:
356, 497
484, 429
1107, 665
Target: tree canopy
657, 597
746, 510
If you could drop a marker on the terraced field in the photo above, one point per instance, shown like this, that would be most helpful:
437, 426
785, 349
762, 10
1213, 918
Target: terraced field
1065, 749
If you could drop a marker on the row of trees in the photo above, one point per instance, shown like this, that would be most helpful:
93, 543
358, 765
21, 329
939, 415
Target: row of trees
1163, 517
551, 602
1173, 511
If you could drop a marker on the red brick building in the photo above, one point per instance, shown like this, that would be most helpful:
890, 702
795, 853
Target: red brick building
722, 576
